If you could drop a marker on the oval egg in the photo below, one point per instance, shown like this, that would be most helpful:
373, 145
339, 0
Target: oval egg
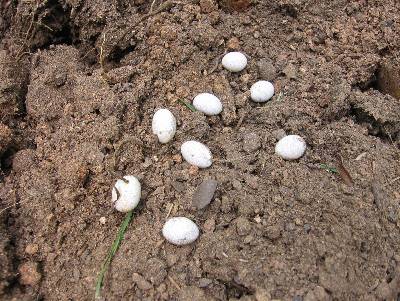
164, 125
180, 231
262, 91
234, 61
291, 147
207, 103
196, 153
126, 193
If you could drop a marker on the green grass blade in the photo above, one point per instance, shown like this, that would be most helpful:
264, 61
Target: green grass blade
188, 105
114, 248
328, 168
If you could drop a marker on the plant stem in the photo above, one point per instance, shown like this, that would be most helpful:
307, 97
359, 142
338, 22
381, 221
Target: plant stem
114, 247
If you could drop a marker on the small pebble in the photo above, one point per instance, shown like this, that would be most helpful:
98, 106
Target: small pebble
392, 216
180, 231
207, 103
164, 125
102, 220
204, 193
291, 147
266, 70
234, 61
262, 91
243, 226
251, 142
31, 249
209, 225
193, 170
141, 282
196, 153
204, 282
273, 232
279, 134
29, 273
233, 43
126, 194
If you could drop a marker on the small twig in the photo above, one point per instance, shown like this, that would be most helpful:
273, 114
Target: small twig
217, 60
44, 25
240, 120
174, 283
13, 205
280, 95
8, 207
169, 211
21, 50
87, 53
101, 59
152, 5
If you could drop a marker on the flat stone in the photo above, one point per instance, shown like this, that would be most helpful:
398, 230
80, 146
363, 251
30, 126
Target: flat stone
204, 193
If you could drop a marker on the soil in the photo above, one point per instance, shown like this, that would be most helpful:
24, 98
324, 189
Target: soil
79, 82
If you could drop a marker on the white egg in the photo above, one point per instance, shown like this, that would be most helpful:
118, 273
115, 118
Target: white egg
262, 91
164, 125
180, 231
126, 193
196, 153
207, 103
234, 61
291, 147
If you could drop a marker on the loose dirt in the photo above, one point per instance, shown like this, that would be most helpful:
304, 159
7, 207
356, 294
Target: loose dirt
79, 82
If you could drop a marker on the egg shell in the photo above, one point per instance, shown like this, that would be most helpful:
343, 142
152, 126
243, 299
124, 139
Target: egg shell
180, 231
262, 91
196, 153
207, 103
291, 147
128, 195
234, 61
164, 125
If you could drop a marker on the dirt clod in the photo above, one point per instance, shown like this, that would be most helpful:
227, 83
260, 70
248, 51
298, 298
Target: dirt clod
29, 273
31, 249
266, 70
141, 282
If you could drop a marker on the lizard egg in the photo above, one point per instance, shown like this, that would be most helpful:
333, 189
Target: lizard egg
291, 147
196, 153
164, 125
180, 231
234, 61
262, 91
126, 193
207, 103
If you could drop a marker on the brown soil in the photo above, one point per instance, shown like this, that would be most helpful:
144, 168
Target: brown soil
79, 82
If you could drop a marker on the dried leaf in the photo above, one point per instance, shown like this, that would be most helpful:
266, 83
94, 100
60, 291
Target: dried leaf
344, 174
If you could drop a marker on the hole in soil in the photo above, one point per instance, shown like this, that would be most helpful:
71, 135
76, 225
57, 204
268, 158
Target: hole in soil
51, 25
235, 290
119, 53
6, 161
386, 79
375, 128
